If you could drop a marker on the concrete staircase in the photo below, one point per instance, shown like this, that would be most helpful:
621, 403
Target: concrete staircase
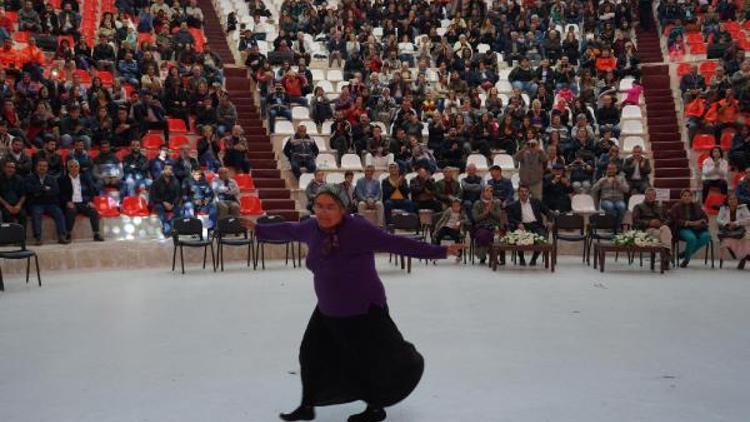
671, 165
271, 187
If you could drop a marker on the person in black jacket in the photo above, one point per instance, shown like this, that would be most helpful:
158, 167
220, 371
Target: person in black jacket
557, 189
150, 114
526, 214
185, 163
135, 171
77, 192
44, 198
12, 195
49, 153
166, 197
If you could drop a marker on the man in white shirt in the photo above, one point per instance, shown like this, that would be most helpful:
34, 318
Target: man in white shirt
77, 193
527, 214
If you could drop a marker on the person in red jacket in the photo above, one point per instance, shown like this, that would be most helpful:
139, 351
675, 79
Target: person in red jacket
9, 58
31, 59
606, 62
293, 84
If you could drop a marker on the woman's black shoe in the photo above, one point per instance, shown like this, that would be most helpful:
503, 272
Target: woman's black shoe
741, 265
371, 414
302, 413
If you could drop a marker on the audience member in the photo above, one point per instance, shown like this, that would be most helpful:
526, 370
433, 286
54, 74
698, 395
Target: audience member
166, 198
691, 225
734, 221
526, 214
227, 194
487, 220
396, 193
651, 217
637, 168
12, 195
43, 197
77, 192
369, 195
715, 173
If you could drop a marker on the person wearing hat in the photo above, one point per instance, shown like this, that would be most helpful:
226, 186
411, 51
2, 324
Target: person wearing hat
557, 190
351, 349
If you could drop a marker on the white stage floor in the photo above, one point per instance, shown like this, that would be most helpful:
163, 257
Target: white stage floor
526, 345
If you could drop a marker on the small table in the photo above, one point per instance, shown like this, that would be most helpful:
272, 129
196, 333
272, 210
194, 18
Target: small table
601, 249
547, 250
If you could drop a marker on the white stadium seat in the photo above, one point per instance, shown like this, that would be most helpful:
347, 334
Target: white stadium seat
505, 161
631, 142
283, 127
335, 75
632, 127
327, 86
334, 178
635, 200
300, 113
631, 112
479, 160
305, 179
351, 162
583, 204
326, 161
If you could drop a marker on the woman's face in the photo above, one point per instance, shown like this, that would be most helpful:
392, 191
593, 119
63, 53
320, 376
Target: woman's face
716, 153
686, 197
328, 211
732, 201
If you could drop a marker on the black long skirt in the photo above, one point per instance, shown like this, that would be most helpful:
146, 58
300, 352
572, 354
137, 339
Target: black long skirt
357, 358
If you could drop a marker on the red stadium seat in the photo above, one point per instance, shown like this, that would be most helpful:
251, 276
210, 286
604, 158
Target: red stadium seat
152, 141
707, 67
703, 142
210, 176
135, 206
683, 69
121, 153
151, 153
250, 205
713, 202
106, 77
176, 142
106, 206
726, 140
84, 75
698, 48
177, 126
245, 182
694, 38
22, 36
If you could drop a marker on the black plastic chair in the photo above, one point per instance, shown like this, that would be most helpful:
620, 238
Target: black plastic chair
601, 227
261, 244
230, 232
573, 228
411, 227
188, 232
12, 234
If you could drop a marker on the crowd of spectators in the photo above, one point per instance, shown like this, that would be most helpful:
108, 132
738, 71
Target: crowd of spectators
85, 116
428, 91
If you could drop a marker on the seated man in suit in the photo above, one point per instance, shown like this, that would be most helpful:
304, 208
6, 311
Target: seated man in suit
43, 194
526, 214
77, 192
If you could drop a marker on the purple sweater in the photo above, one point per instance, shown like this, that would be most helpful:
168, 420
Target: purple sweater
346, 281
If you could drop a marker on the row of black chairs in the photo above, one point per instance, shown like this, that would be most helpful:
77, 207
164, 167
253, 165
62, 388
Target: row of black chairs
188, 232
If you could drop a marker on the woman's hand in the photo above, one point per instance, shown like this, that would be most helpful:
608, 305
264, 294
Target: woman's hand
248, 223
455, 248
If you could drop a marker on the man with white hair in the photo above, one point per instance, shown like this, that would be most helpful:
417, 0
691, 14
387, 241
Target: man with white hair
471, 186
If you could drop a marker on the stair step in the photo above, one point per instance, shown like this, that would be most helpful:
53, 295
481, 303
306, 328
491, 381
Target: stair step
274, 193
660, 172
262, 164
672, 183
273, 173
235, 72
278, 204
261, 155
671, 162
260, 146
659, 154
270, 183
289, 215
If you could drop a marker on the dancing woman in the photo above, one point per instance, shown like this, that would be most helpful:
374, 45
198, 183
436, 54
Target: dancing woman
351, 349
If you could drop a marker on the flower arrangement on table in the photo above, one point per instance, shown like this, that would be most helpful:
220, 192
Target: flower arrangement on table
523, 238
635, 238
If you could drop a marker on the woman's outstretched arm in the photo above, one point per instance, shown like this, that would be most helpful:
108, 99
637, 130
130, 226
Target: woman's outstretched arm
382, 241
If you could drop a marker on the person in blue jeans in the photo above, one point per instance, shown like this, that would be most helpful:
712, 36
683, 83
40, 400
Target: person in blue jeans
278, 105
611, 190
690, 222
43, 195
166, 198
198, 197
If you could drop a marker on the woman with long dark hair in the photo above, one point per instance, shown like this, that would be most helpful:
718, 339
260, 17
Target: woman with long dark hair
351, 350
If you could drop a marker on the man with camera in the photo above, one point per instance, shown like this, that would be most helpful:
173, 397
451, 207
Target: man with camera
531, 163
278, 105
